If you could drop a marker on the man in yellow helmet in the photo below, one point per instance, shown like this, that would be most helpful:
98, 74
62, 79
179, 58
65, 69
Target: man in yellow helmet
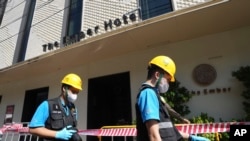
153, 122
56, 119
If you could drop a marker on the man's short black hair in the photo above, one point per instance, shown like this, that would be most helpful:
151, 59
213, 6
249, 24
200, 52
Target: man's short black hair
152, 69
65, 86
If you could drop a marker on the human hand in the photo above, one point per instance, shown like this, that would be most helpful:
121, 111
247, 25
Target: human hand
65, 133
197, 138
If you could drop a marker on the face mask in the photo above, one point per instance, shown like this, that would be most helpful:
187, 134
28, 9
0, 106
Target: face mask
163, 85
71, 97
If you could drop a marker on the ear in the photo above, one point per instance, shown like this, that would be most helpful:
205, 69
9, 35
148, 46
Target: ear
64, 89
157, 75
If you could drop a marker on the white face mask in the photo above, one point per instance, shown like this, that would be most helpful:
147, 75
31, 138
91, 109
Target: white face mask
163, 85
71, 97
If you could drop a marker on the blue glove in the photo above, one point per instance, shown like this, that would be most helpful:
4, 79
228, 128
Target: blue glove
197, 138
65, 134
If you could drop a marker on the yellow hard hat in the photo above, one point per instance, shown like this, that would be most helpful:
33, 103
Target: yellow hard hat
73, 80
165, 63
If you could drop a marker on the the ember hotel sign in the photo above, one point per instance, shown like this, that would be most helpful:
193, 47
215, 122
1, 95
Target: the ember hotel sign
107, 25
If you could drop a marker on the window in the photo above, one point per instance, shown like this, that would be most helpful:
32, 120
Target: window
75, 17
152, 8
3, 4
27, 20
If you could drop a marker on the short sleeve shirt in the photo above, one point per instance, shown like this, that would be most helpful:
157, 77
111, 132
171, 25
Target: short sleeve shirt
149, 105
42, 114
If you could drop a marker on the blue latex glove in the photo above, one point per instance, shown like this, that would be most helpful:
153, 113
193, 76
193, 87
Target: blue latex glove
65, 133
197, 138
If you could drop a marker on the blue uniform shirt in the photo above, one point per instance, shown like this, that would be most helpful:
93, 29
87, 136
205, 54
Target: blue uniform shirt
42, 114
149, 105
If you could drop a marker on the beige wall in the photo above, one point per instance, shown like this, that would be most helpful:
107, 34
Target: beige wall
225, 51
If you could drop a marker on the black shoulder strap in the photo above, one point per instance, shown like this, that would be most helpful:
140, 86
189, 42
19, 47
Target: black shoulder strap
144, 86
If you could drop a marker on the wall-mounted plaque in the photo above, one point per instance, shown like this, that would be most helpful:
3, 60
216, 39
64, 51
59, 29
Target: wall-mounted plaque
204, 74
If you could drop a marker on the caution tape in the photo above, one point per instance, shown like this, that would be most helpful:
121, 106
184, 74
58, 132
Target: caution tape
187, 128
208, 127
118, 132
90, 132
13, 127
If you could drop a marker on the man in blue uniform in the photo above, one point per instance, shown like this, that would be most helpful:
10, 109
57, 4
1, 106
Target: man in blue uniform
56, 119
153, 122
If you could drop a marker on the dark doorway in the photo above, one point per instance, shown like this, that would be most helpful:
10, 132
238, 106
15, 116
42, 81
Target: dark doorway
109, 103
33, 98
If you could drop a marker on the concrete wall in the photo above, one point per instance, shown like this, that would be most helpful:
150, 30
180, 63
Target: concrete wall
9, 30
50, 20
46, 26
225, 51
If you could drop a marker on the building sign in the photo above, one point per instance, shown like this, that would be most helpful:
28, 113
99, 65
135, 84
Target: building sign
67, 40
107, 25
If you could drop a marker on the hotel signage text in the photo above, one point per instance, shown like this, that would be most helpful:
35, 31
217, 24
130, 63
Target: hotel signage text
68, 40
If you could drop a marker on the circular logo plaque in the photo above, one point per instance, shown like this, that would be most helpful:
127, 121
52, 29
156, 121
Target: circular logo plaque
204, 74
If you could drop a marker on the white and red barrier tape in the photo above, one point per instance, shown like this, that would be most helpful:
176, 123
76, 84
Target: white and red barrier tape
188, 128
208, 127
118, 132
